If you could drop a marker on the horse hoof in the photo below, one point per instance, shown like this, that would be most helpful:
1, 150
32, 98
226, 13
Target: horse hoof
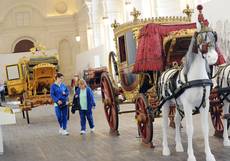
192, 158
210, 158
179, 148
166, 151
226, 142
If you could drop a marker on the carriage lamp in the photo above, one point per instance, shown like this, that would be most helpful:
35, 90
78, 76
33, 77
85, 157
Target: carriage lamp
78, 38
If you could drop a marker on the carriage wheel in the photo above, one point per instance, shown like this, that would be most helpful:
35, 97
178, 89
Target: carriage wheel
144, 121
216, 115
113, 70
110, 105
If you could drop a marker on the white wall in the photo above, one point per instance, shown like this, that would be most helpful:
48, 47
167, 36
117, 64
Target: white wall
13, 58
42, 21
217, 13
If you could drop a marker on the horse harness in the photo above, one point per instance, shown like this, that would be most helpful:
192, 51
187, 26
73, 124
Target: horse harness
172, 92
223, 91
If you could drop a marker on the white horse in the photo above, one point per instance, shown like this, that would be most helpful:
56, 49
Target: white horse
223, 81
195, 71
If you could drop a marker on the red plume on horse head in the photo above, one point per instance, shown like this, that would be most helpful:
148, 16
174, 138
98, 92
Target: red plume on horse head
204, 28
203, 22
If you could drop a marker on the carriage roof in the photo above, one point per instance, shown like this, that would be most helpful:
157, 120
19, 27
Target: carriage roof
130, 35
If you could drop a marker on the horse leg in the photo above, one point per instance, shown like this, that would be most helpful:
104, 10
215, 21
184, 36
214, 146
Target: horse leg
179, 147
205, 128
189, 129
225, 134
165, 113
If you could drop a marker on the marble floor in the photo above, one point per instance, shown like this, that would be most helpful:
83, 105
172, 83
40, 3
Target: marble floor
40, 141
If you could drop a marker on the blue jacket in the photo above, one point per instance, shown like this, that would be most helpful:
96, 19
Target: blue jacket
90, 97
56, 93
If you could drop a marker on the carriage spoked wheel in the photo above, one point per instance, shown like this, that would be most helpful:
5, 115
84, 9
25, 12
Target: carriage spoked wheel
144, 121
113, 69
110, 105
216, 116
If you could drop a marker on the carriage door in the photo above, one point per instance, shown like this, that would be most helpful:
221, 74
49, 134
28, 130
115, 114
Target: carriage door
127, 55
15, 84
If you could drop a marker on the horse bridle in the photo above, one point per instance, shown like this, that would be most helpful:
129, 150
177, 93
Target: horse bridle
202, 41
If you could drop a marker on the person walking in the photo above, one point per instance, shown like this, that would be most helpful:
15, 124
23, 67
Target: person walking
74, 83
87, 103
59, 93
2, 91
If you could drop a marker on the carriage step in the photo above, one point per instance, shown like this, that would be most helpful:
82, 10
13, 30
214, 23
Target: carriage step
226, 116
131, 111
124, 102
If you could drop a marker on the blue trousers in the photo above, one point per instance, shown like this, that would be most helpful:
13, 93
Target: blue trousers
62, 114
86, 114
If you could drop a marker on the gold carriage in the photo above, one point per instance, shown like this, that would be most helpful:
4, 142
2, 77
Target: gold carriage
30, 79
132, 78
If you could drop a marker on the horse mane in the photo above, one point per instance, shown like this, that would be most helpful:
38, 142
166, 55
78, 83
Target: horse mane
190, 56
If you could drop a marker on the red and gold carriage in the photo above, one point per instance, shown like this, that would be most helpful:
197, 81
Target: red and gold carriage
92, 76
144, 48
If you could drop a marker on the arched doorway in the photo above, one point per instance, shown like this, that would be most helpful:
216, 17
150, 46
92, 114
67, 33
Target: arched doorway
23, 46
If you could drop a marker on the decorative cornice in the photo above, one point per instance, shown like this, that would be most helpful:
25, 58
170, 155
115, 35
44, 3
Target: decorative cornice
159, 20
44, 65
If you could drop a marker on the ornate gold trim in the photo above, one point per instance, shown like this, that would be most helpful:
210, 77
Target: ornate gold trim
177, 34
119, 29
43, 65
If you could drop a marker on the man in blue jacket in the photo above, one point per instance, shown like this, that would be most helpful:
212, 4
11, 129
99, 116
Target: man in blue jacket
59, 93
87, 102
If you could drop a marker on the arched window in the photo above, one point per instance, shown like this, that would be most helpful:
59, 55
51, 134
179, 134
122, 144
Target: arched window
23, 46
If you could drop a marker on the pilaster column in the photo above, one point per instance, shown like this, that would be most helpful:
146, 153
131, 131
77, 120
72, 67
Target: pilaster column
97, 12
114, 11
90, 36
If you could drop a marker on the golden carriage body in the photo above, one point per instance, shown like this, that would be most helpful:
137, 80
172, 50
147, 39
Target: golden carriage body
130, 80
30, 79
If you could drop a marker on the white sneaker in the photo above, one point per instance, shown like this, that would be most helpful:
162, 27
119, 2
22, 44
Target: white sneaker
93, 129
82, 132
65, 132
60, 131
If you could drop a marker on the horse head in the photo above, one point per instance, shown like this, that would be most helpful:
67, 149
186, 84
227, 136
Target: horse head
205, 40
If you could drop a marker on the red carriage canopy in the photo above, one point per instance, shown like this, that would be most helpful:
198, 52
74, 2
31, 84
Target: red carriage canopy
150, 54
